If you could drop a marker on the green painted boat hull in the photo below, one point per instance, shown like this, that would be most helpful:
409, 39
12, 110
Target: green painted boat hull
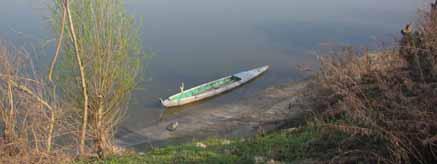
204, 88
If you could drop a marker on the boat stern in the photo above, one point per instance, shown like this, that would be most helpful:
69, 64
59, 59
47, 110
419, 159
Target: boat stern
172, 103
166, 103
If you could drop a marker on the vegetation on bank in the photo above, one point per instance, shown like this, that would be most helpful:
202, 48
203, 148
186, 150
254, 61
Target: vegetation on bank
75, 109
106, 40
291, 145
368, 108
389, 98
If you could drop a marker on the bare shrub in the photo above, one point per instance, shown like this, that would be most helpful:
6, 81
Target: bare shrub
100, 60
385, 103
106, 40
27, 116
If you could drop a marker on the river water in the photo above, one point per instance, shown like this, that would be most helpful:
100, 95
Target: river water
195, 41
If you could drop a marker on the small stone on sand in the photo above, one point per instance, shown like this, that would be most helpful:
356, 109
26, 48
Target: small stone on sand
173, 126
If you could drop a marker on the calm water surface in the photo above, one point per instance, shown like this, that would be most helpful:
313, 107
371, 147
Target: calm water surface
195, 41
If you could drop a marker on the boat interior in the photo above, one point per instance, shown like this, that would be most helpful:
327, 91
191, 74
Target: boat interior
205, 87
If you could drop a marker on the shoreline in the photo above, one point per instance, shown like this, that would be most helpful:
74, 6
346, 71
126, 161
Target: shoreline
269, 109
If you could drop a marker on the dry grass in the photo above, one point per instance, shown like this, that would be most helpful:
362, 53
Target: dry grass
99, 61
386, 103
27, 121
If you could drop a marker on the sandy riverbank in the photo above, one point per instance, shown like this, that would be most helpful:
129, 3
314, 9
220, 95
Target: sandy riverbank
263, 112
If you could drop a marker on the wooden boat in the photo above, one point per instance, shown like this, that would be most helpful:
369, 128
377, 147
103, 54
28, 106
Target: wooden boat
212, 88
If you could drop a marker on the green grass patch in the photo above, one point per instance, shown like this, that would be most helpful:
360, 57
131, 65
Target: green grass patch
288, 147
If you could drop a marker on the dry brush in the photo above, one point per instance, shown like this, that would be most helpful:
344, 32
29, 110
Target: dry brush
386, 103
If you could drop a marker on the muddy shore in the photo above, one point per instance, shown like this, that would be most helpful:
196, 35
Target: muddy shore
265, 111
